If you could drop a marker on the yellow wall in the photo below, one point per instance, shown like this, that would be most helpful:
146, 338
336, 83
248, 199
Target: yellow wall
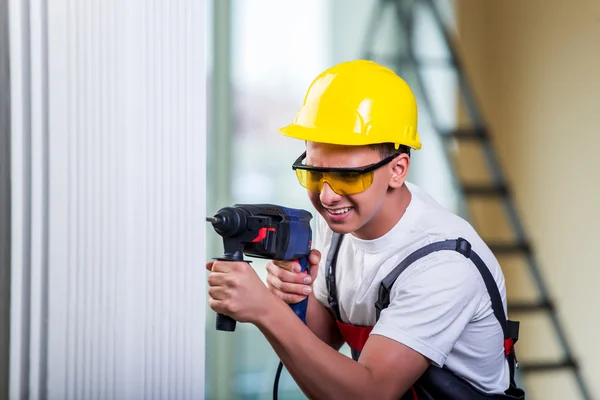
536, 67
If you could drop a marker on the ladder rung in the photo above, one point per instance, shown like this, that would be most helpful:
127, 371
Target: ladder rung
529, 367
509, 248
485, 190
530, 307
467, 134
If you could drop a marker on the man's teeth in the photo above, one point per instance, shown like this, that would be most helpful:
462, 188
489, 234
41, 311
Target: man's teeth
340, 211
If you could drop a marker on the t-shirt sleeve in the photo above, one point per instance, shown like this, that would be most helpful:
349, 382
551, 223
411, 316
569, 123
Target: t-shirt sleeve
322, 243
431, 303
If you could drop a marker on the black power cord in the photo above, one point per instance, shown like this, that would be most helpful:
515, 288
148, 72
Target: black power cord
276, 383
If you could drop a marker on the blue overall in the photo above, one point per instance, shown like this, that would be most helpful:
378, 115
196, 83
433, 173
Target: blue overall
436, 383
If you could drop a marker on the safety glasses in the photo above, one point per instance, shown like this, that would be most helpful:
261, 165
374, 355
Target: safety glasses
343, 181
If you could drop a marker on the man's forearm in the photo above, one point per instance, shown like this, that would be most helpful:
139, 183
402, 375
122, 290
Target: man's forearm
322, 323
320, 371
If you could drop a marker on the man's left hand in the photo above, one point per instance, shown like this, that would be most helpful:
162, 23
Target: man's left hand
236, 290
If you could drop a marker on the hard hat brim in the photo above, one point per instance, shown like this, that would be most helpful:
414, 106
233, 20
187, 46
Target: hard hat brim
353, 139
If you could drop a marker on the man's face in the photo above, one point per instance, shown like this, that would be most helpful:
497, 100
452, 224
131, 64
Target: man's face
348, 213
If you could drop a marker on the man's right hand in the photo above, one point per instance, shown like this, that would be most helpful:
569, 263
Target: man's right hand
287, 283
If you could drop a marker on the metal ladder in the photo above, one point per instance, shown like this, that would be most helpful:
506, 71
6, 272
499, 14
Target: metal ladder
478, 133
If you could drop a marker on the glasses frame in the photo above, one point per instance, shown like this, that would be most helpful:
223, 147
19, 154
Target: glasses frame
360, 170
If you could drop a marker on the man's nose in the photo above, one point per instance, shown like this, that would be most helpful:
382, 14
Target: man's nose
328, 196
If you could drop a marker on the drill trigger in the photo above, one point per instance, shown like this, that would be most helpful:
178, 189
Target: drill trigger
262, 234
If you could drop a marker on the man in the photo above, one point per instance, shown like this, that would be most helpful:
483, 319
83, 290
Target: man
408, 285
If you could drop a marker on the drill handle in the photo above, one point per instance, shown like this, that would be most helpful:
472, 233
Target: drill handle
300, 308
226, 323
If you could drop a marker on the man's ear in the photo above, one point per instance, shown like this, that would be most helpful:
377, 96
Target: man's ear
400, 167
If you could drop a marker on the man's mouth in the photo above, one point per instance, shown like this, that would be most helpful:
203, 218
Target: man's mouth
338, 211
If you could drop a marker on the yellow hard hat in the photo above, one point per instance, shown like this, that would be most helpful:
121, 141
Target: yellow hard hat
357, 103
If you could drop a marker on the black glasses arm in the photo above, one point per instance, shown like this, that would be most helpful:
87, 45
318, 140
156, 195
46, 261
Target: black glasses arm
361, 170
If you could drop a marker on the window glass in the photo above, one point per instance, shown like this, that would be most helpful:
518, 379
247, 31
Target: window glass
278, 48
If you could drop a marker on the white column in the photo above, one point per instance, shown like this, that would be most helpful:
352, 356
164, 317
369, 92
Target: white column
4, 201
108, 199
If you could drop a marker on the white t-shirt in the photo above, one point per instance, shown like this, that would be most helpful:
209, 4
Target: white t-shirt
439, 306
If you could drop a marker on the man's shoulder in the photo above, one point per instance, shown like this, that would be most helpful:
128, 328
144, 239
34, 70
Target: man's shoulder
441, 271
433, 217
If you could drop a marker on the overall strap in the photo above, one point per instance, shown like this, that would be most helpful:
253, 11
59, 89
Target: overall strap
459, 245
330, 262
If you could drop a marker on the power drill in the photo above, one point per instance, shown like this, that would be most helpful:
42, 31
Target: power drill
263, 231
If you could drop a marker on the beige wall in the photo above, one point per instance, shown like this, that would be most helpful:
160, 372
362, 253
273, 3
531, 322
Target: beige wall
536, 67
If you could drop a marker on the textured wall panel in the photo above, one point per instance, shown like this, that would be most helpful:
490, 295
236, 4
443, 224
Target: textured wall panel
111, 182
4, 199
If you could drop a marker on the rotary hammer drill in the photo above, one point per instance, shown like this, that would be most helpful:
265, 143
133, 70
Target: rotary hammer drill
263, 231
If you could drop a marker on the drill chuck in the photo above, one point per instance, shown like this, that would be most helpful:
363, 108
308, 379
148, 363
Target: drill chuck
229, 221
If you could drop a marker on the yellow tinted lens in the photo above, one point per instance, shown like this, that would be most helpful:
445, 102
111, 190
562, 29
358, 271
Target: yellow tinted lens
310, 180
343, 183
346, 183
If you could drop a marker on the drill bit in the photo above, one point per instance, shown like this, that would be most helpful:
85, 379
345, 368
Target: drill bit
212, 220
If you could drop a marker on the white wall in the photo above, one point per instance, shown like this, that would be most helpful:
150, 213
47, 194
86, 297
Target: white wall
108, 199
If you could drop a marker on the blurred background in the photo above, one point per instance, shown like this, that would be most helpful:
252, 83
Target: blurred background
105, 176
509, 112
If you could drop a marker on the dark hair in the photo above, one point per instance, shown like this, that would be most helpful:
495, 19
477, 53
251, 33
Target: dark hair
389, 149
